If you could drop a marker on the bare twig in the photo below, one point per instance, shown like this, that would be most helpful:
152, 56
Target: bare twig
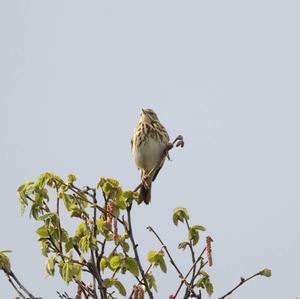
12, 275
242, 281
141, 281
189, 272
172, 261
136, 254
191, 248
14, 286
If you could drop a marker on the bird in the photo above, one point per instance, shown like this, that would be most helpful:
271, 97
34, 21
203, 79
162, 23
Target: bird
148, 143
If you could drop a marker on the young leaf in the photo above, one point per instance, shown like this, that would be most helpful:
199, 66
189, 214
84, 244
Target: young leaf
162, 264
266, 272
108, 282
180, 214
199, 227
50, 263
103, 263
193, 235
44, 248
42, 232
151, 281
66, 271
115, 262
119, 286
71, 179
81, 230
152, 256
84, 243
69, 244
67, 201
4, 261
209, 288
131, 265
183, 245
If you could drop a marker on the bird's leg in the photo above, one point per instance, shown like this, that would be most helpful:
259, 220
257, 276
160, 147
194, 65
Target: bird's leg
166, 153
144, 178
178, 141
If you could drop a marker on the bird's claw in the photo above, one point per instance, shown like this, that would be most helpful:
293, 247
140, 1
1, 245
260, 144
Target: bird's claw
179, 141
144, 181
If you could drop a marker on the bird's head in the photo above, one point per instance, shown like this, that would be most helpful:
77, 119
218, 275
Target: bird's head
148, 115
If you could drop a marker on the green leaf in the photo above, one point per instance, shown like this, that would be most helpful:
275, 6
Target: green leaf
42, 232
131, 265
67, 201
50, 263
209, 288
66, 269
107, 187
50, 218
76, 271
129, 196
103, 263
125, 246
115, 262
180, 214
76, 211
29, 188
157, 258
71, 179
119, 286
183, 245
44, 248
199, 227
84, 243
4, 261
121, 202
266, 272
108, 282
42, 180
163, 265
102, 227
81, 230
100, 183
69, 244
193, 235
152, 256
204, 282
151, 281
113, 182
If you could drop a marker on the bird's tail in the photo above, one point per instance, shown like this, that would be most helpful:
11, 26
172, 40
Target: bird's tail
145, 194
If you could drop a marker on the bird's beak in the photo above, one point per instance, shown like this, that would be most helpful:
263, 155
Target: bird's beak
144, 112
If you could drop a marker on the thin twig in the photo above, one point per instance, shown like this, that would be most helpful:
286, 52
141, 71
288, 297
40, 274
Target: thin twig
190, 270
141, 281
191, 248
14, 286
242, 281
136, 254
172, 260
12, 274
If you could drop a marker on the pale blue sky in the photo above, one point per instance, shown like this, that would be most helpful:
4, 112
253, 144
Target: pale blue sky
225, 74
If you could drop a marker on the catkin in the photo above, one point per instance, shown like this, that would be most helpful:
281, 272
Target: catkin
209, 240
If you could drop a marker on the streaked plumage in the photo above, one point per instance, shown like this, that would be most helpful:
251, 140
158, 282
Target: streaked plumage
148, 142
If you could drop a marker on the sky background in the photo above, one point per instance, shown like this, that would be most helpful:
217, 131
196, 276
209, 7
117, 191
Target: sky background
225, 74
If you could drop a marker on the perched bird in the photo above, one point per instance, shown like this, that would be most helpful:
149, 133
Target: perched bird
149, 141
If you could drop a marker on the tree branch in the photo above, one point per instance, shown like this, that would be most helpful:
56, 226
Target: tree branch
136, 254
242, 281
